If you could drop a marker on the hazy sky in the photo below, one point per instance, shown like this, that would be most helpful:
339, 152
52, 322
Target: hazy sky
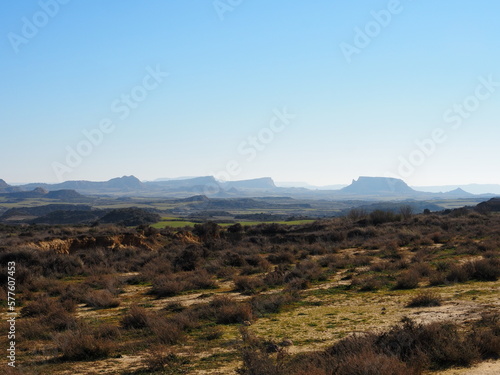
320, 91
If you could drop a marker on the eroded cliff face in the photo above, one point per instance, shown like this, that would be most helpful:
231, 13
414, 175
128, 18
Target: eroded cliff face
112, 242
66, 246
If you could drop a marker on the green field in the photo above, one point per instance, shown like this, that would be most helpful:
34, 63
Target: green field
179, 223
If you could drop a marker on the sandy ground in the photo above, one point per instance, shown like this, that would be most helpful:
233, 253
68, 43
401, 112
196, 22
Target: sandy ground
485, 368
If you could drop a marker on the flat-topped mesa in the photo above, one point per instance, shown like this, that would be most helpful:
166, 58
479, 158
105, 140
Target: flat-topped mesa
256, 183
378, 185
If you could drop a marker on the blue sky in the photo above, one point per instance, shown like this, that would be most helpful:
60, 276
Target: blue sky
418, 99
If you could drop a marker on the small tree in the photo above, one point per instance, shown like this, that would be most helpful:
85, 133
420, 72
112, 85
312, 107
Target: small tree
406, 211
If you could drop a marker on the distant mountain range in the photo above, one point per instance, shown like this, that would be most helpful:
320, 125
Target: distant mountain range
368, 188
471, 188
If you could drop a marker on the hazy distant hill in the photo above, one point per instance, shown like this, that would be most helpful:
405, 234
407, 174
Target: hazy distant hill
65, 195
459, 193
197, 185
493, 205
257, 183
377, 186
42, 210
37, 192
417, 207
6, 188
188, 182
369, 188
54, 214
470, 188
119, 184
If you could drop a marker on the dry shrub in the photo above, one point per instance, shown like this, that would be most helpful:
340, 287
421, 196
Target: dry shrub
276, 277
422, 269
486, 335
234, 313
158, 357
390, 251
481, 270
368, 362
407, 280
136, 317
435, 345
83, 344
271, 303
225, 310
171, 285
42, 305
102, 299
155, 267
283, 257
107, 282
425, 299
406, 348
58, 320
165, 286
255, 264
248, 285
186, 320
258, 362
331, 261
485, 269
75, 292
107, 331
437, 278
361, 260
213, 333
164, 330
297, 284
51, 314
32, 329
368, 284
